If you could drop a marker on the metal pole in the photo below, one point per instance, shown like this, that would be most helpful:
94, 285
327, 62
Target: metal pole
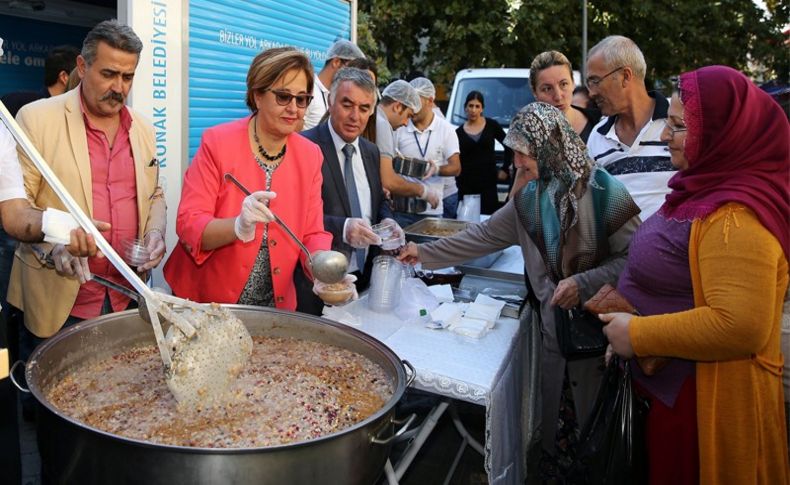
583, 68
354, 20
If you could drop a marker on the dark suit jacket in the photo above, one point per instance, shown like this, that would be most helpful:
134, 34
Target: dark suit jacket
336, 204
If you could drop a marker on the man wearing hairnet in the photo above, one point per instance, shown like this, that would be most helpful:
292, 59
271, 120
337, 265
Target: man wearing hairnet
433, 138
337, 57
399, 102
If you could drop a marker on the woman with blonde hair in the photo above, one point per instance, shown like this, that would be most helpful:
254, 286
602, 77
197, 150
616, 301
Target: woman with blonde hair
551, 78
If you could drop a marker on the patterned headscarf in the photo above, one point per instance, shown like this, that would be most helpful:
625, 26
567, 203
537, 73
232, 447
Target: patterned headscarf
549, 206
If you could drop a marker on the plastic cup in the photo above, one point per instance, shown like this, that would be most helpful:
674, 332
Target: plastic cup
135, 253
390, 236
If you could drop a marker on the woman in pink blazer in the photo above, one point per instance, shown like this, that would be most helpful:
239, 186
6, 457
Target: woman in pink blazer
228, 251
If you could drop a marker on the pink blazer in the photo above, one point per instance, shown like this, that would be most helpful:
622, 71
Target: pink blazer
219, 275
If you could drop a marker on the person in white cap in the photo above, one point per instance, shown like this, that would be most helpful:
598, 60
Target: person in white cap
433, 138
337, 57
399, 102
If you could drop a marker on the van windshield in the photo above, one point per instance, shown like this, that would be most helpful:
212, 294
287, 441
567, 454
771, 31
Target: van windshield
503, 98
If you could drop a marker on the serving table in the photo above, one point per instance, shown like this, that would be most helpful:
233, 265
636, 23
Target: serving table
485, 371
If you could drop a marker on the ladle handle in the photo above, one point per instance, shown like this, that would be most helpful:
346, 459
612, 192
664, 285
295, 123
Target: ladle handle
84, 221
115, 286
229, 177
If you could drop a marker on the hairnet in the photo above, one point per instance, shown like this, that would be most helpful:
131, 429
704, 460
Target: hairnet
405, 93
424, 87
344, 49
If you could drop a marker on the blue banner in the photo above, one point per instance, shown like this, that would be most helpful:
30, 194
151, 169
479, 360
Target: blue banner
225, 35
26, 44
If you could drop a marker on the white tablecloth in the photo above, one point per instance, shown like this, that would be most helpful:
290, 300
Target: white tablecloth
485, 371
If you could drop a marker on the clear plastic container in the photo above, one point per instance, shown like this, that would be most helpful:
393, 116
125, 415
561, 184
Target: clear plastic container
391, 238
385, 284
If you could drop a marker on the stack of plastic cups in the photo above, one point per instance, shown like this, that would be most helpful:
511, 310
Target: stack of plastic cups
385, 284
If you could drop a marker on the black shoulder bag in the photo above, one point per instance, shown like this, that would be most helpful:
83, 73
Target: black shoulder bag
579, 333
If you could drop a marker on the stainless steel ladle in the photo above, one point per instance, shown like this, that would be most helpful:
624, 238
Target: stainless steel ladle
326, 266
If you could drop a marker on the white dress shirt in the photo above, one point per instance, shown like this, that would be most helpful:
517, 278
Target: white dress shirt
11, 184
360, 179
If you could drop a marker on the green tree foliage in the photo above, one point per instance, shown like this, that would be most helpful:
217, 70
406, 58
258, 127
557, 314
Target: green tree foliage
439, 37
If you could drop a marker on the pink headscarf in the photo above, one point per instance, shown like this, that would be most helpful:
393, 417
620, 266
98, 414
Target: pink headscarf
738, 149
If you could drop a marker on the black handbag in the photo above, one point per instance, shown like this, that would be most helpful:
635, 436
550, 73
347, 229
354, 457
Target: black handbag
612, 448
579, 333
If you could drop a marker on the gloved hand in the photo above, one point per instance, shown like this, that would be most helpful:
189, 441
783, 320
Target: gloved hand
338, 293
254, 210
433, 169
359, 234
397, 231
70, 266
155, 244
431, 195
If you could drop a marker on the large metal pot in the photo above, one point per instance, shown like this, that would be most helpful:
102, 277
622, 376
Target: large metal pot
75, 453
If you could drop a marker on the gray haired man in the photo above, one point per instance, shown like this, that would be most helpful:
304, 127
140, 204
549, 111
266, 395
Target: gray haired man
104, 154
352, 192
627, 141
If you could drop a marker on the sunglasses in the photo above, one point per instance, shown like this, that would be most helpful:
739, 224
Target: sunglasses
284, 98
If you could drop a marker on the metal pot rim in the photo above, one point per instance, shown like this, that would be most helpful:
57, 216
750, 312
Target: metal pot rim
86, 325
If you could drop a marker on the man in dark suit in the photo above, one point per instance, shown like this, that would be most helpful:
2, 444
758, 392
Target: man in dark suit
352, 191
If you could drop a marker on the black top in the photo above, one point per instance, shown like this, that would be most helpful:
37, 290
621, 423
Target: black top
478, 165
593, 117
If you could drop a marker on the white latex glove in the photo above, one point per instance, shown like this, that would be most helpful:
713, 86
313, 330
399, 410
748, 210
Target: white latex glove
431, 195
70, 266
155, 244
433, 169
337, 293
359, 234
254, 210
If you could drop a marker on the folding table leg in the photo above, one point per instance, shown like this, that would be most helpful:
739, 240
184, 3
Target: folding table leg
459, 426
427, 426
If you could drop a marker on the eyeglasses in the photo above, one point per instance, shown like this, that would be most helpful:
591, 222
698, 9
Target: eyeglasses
673, 129
592, 82
284, 98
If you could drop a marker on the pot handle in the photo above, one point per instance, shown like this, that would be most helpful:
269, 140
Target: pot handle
403, 429
13, 379
411, 371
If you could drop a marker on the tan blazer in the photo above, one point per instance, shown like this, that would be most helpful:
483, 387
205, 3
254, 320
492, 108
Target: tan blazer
57, 129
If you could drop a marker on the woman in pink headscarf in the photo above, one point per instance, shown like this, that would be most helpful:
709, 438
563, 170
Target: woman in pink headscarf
708, 275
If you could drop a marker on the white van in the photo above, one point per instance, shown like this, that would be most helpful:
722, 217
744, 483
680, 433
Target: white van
505, 90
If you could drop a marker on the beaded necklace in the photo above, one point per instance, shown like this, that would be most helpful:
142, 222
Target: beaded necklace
264, 154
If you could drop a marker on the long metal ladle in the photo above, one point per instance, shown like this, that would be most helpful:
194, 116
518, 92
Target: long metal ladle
327, 266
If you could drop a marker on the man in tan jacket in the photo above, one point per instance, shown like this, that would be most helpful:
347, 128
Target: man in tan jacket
104, 153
